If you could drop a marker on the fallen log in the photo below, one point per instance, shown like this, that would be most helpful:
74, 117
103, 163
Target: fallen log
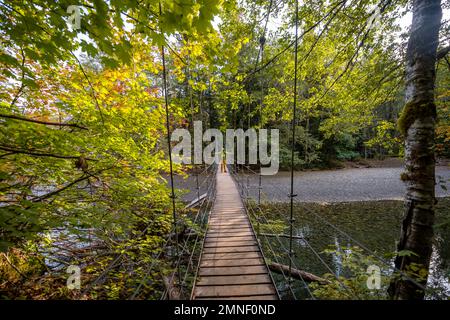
296, 273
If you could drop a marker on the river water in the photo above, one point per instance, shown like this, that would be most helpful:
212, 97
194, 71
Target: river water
371, 225
362, 184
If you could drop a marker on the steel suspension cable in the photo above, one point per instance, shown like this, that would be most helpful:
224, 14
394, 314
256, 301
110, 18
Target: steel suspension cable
294, 111
183, 250
345, 234
292, 43
250, 210
262, 41
204, 214
306, 242
316, 254
150, 269
212, 198
169, 146
191, 103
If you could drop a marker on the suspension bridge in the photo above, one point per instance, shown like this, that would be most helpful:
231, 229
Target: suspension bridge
229, 258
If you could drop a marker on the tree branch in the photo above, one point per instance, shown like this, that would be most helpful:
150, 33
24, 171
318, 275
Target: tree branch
22, 85
94, 93
13, 266
82, 178
10, 116
291, 44
50, 194
39, 154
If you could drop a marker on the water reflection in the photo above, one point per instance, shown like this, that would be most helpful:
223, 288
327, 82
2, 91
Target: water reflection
301, 233
337, 258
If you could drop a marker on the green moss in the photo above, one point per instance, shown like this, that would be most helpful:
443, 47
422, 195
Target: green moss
414, 110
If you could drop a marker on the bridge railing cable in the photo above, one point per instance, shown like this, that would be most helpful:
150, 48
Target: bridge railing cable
318, 256
241, 186
193, 251
388, 264
188, 246
262, 217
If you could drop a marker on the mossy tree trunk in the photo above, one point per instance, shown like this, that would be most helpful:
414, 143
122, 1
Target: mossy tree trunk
417, 123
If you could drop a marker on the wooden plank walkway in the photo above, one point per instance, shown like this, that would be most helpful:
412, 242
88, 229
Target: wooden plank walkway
231, 265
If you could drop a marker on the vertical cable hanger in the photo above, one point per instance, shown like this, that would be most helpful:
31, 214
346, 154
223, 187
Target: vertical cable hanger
172, 194
249, 119
294, 111
262, 42
191, 103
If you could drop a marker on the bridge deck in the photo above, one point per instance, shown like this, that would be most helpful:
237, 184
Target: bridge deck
231, 265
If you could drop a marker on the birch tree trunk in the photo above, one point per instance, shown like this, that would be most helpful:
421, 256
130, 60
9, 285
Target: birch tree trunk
417, 123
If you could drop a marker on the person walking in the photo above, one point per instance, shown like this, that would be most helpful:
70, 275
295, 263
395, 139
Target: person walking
223, 164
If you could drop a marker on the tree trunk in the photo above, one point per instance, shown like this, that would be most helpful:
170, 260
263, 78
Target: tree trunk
417, 124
